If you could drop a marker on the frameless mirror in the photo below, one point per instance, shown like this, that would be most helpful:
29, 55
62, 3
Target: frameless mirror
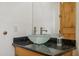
45, 16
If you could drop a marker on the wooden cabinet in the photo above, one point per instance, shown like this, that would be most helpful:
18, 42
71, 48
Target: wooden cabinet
67, 53
68, 19
75, 52
24, 52
70, 53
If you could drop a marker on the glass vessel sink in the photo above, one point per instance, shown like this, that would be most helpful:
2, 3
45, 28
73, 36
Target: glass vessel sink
39, 39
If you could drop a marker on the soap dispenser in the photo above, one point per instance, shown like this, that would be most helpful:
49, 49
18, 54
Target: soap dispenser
59, 39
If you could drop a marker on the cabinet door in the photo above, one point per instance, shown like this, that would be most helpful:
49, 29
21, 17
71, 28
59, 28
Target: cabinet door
75, 52
67, 19
68, 53
24, 52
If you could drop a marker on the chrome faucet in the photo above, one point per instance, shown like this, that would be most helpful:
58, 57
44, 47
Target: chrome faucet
34, 31
41, 31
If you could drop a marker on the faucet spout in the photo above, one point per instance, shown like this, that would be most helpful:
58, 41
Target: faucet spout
41, 31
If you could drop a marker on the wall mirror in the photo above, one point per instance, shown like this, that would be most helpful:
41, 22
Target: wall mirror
45, 15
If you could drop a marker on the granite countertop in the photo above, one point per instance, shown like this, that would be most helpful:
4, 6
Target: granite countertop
50, 48
43, 49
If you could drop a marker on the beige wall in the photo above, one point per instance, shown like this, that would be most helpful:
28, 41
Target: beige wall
16, 19
77, 27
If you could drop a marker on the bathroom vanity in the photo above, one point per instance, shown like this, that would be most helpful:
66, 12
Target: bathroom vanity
30, 50
50, 48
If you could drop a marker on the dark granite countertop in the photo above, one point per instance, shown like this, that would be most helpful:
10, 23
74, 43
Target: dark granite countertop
43, 49
50, 48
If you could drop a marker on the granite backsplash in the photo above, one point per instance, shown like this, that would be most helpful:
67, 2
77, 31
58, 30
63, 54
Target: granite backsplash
25, 40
